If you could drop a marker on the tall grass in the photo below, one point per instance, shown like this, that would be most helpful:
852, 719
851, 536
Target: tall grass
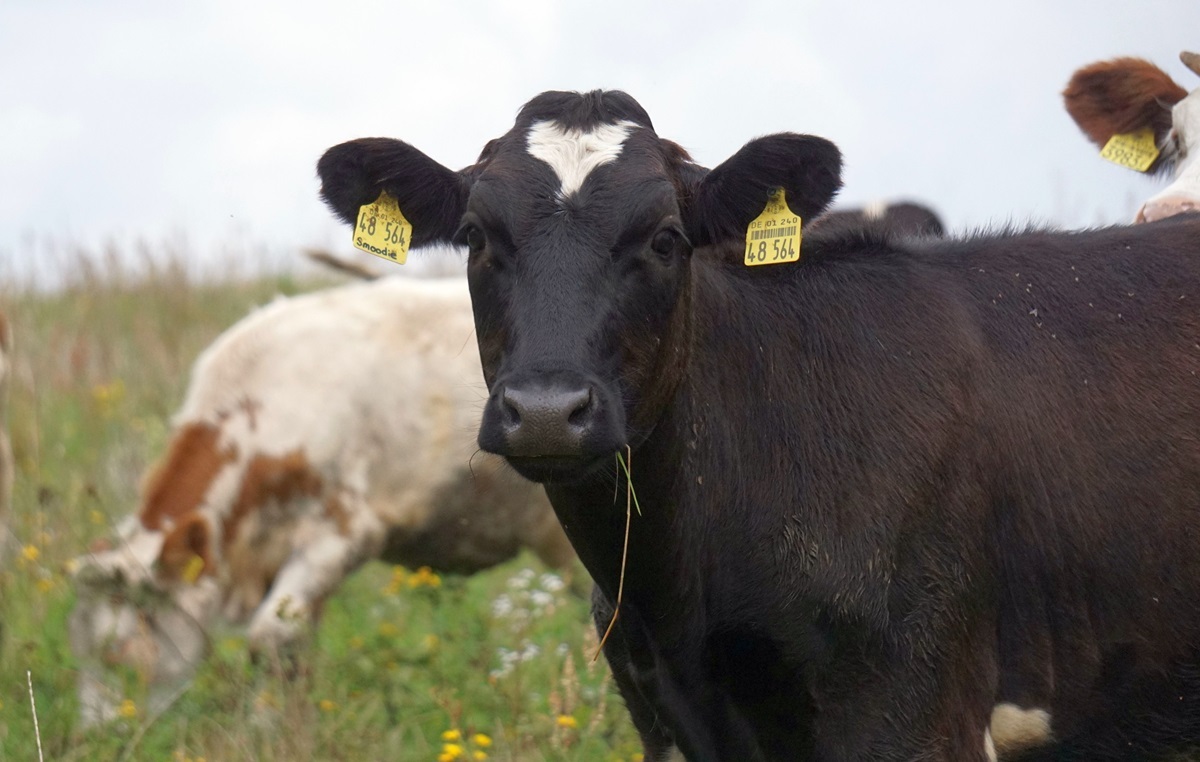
403, 667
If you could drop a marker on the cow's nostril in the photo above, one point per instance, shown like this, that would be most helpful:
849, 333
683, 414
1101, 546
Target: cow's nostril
510, 404
581, 407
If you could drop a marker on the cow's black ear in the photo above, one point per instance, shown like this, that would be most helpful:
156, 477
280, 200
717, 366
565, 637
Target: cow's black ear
430, 196
727, 199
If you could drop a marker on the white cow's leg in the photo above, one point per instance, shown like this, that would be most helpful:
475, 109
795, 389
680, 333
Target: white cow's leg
315, 568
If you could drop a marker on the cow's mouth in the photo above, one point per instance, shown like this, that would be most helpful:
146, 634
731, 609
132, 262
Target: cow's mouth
557, 469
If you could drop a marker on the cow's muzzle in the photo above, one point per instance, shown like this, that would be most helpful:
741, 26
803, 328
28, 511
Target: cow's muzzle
550, 426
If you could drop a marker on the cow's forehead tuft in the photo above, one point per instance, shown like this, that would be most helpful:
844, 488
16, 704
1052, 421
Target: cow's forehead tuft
583, 111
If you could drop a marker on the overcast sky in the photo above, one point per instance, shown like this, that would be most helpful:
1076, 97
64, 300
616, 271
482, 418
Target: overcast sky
203, 120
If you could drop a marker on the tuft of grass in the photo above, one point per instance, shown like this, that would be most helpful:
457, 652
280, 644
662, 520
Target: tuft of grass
398, 661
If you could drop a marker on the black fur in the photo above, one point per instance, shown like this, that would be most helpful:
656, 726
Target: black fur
735, 192
431, 197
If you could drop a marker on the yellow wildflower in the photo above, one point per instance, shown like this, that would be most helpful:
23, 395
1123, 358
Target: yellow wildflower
479, 755
451, 735
453, 750
45, 584
482, 740
97, 517
128, 709
444, 757
31, 553
637, 757
431, 642
356, 642
327, 705
424, 577
388, 630
566, 721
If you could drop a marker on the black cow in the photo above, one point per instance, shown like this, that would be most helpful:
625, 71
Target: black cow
890, 493
899, 218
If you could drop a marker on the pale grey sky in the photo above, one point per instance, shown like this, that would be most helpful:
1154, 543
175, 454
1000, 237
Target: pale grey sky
122, 120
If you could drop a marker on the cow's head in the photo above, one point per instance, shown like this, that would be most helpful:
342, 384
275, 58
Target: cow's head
581, 225
144, 603
1126, 95
140, 608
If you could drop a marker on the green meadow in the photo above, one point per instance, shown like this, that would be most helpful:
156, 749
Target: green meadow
405, 665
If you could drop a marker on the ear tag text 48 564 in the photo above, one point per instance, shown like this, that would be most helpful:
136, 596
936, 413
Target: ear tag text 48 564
774, 236
1135, 150
382, 229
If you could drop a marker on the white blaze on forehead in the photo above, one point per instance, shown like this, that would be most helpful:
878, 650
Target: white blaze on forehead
574, 153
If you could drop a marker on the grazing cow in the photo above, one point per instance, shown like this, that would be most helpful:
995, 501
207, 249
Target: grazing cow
318, 433
901, 499
900, 218
1127, 95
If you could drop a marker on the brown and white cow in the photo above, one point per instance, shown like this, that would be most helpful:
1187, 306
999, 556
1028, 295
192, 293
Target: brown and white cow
1126, 95
318, 433
895, 493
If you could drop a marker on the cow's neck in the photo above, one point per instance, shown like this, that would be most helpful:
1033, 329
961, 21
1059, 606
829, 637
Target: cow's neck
688, 457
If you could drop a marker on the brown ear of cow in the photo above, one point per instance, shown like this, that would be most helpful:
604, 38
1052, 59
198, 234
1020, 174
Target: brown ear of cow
1119, 96
430, 196
728, 198
189, 540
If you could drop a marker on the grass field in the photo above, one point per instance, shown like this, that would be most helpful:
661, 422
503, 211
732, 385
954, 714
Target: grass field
404, 667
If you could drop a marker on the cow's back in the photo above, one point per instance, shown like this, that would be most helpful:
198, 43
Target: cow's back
1067, 372
377, 386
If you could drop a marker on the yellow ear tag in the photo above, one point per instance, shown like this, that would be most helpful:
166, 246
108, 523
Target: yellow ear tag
1135, 150
382, 230
191, 572
774, 236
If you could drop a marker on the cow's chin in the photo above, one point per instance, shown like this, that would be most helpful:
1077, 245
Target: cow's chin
553, 469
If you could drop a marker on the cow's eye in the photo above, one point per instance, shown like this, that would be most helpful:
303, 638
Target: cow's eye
475, 238
664, 241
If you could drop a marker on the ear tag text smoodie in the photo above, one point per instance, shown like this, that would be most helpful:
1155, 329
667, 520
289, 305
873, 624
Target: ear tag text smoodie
773, 237
382, 230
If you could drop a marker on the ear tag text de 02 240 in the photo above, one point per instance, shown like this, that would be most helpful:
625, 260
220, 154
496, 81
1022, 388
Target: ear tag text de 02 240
1135, 150
774, 236
382, 229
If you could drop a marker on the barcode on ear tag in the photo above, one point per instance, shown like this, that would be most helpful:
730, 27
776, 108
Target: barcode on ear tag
774, 236
1135, 150
382, 229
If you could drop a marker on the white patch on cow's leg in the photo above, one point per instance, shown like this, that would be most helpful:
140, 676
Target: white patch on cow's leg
674, 755
1014, 729
572, 153
989, 746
